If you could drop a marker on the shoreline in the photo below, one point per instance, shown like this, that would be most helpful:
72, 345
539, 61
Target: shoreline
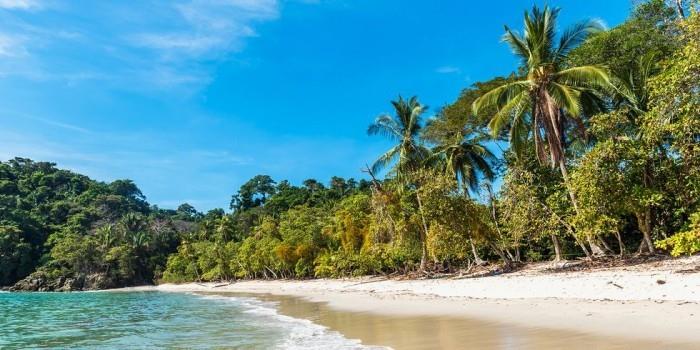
656, 301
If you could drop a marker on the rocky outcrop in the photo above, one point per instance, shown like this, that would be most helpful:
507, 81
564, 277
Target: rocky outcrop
41, 282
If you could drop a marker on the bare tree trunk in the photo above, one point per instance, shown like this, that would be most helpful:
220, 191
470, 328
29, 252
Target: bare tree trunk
568, 228
424, 235
494, 217
584, 248
501, 254
642, 244
557, 248
679, 9
477, 259
644, 223
619, 242
605, 246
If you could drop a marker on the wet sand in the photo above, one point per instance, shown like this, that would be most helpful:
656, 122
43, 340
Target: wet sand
404, 332
653, 305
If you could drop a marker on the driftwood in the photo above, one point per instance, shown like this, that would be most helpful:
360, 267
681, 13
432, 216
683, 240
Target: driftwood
222, 285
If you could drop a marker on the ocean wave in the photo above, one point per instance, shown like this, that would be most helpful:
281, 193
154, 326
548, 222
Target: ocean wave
300, 333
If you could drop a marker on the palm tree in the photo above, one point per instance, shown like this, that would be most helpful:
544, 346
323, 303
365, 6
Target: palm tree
467, 160
551, 96
404, 128
408, 154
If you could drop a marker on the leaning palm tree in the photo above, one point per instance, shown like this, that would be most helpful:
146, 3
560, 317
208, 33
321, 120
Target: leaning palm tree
551, 96
408, 155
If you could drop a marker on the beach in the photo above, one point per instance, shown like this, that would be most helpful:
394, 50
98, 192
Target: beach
648, 305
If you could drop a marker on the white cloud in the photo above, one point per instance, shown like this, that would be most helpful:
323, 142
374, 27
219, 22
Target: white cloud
19, 4
180, 42
145, 46
61, 125
12, 46
448, 70
209, 28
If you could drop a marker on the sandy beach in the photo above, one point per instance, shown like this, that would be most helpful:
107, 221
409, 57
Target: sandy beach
652, 305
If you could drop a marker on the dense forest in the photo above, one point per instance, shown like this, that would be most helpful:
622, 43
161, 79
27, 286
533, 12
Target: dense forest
589, 149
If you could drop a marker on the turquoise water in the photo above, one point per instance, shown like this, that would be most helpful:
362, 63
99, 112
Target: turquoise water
154, 320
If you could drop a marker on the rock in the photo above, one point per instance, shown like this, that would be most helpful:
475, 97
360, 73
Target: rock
98, 281
30, 283
39, 281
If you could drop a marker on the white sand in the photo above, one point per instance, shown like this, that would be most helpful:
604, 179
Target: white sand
652, 301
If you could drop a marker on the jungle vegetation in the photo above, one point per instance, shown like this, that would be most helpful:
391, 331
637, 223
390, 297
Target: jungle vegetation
589, 149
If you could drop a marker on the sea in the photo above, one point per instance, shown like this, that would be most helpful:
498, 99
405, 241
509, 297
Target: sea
156, 320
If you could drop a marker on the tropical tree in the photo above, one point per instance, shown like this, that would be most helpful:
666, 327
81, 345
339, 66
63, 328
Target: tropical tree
467, 160
403, 127
551, 98
408, 155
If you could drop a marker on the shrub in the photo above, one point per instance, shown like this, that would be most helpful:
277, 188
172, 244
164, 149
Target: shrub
686, 242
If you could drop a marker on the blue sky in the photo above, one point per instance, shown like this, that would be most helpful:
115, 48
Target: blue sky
191, 98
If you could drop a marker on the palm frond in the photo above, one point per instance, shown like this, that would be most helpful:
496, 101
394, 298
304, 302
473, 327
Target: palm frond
566, 97
519, 134
575, 35
517, 44
500, 95
584, 77
385, 159
515, 107
385, 126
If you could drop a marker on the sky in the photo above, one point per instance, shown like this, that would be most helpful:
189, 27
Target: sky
191, 98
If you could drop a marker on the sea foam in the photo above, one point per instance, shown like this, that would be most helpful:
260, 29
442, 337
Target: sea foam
300, 333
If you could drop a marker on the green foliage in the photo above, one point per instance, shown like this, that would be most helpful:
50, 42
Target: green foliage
618, 112
67, 226
351, 222
686, 242
457, 118
551, 95
675, 107
527, 206
253, 193
15, 254
650, 28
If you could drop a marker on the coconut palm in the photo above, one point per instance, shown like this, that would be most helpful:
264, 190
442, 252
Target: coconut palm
408, 155
551, 96
404, 128
467, 160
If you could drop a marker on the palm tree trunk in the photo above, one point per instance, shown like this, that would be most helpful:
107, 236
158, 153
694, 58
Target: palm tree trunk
596, 250
424, 235
552, 123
